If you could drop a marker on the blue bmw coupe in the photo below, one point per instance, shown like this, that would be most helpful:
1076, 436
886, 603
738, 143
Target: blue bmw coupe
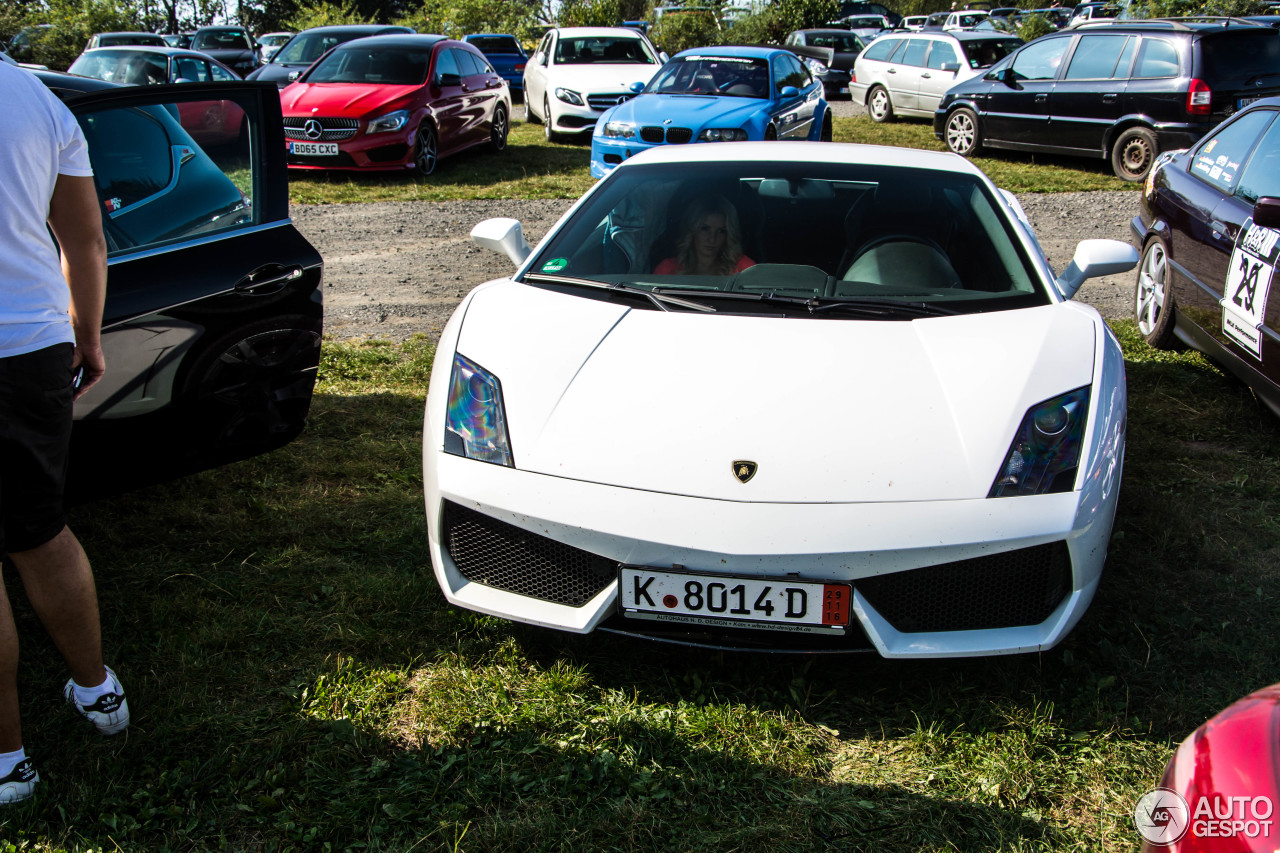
715, 94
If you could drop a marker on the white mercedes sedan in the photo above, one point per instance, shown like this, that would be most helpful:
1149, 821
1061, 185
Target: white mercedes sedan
785, 397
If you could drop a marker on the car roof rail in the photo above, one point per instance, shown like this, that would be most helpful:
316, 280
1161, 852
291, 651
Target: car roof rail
1180, 23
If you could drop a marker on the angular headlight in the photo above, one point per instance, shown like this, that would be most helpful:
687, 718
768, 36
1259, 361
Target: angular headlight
1045, 453
814, 65
569, 97
390, 121
723, 134
475, 423
619, 130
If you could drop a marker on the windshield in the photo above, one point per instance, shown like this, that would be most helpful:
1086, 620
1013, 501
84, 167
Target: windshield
495, 44
130, 38
389, 66
842, 42
741, 77
795, 230
1242, 56
129, 67
865, 23
306, 48
987, 52
220, 40
604, 49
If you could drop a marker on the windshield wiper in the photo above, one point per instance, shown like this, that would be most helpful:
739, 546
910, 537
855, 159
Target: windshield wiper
660, 300
882, 308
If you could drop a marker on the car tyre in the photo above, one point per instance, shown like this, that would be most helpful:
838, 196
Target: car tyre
880, 105
252, 387
962, 134
1133, 154
770, 133
547, 131
529, 117
1152, 298
498, 129
827, 133
426, 150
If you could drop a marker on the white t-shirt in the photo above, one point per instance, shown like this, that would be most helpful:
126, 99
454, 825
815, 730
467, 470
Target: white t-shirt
39, 140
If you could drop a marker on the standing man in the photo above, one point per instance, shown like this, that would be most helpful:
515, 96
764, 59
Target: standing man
50, 352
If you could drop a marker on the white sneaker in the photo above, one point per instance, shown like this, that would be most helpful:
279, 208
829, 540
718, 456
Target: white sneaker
109, 713
20, 784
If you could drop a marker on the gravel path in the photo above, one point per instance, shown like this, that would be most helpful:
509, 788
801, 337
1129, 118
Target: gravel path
395, 269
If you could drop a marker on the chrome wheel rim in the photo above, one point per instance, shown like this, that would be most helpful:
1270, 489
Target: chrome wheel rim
425, 159
960, 133
880, 104
499, 132
546, 119
1136, 155
1149, 300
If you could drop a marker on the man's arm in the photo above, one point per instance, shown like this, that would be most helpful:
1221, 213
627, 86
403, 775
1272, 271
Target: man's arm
77, 225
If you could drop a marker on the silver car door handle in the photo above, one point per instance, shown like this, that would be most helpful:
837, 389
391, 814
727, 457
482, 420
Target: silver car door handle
1041, 98
1109, 98
263, 286
1219, 230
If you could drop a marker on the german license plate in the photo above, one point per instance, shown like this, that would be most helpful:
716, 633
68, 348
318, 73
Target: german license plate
774, 604
313, 149
1244, 102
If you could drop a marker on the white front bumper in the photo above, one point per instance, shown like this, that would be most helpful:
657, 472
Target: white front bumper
837, 542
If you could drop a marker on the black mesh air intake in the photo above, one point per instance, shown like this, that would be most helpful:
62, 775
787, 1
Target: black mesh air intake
998, 591
491, 552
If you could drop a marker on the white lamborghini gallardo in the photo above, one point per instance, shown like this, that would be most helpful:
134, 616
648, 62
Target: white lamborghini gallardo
885, 426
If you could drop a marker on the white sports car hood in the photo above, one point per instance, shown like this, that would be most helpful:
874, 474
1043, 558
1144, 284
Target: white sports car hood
829, 410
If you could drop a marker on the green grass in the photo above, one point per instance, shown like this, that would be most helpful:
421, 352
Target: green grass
298, 682
533, 168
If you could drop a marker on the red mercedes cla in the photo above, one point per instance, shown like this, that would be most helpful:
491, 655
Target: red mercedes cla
394, 102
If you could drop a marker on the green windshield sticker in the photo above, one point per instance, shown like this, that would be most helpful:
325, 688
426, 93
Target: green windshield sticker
555, 265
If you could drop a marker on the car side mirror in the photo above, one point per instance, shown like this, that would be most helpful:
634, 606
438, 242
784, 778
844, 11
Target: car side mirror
1095, 258
445, 79
1266, 212
663, 57
505, 236
953, 67
789, 92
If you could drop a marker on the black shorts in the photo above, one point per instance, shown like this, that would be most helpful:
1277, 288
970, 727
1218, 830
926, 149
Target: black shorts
35, 430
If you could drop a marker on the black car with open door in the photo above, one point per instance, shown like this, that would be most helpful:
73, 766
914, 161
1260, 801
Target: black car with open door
213, 314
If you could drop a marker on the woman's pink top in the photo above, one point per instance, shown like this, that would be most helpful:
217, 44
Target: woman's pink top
672, 267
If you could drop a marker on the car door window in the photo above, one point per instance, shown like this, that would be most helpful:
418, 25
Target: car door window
1158, 58
1039, 60
170, 172
915, 53
1261, 177
1217, 162
788, 71
220, 75
193, 70
467, 63
446, 63
881, 49
942, 53
1096, 57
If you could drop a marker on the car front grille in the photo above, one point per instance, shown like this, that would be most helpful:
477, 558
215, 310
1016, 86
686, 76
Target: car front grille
604, 102
673, 135
1015, 588
333, 129
493, 553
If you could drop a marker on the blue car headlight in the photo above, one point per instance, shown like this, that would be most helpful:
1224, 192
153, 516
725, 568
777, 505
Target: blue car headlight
570, 97
1045, 453
390, 121
475, 421
619, 130
723, 134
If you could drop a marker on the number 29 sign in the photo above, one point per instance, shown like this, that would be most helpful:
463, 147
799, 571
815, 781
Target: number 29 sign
1244, 303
